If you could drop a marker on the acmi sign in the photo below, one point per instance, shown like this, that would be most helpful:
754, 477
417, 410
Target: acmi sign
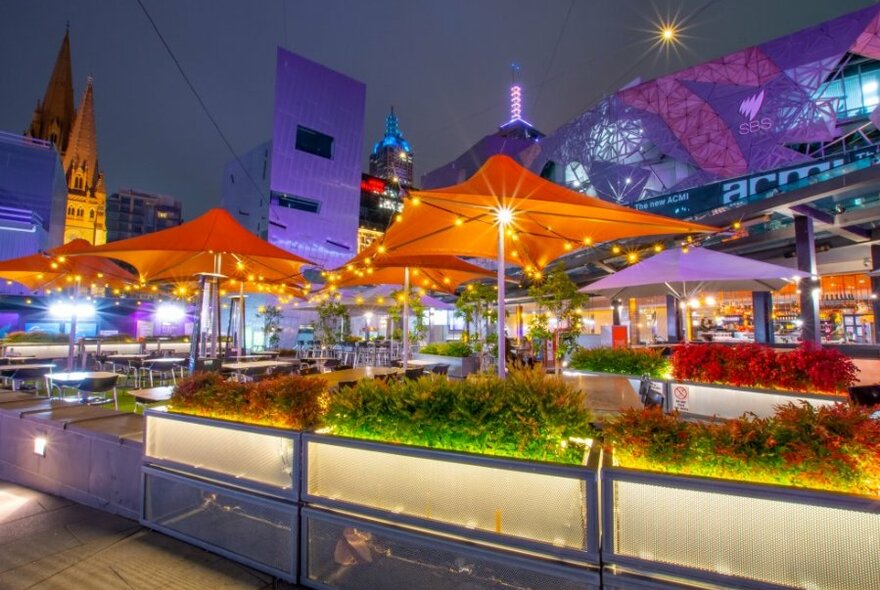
749, 108
711, 196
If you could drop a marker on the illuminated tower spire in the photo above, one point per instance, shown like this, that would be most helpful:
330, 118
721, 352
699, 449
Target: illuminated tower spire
515, 95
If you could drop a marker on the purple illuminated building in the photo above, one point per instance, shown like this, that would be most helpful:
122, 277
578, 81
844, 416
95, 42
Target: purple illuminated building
301, 190
786, 102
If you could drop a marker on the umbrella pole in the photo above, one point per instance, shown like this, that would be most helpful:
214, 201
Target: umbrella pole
405, 318
215, 306
502, 364
240, 347
71, 340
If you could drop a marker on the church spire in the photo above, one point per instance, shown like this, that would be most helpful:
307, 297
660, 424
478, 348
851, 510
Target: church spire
53, 117
81, 157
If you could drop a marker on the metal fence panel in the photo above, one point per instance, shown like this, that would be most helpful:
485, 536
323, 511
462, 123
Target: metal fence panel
347, 553
255, 531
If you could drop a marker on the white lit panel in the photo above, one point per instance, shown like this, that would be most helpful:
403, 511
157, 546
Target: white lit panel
770, 540
241, 454
545, 508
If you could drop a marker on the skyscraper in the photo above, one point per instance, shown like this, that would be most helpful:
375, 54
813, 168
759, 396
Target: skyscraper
392, 157
301, 191
74, 135
132, 213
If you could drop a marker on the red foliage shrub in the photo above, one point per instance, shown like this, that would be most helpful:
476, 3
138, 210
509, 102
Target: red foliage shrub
831, 448
289, 401
808, 368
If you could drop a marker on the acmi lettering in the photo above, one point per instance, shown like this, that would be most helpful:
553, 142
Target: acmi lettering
743, 188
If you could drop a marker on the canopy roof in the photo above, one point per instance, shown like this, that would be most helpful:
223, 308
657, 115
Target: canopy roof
186, 250
57, 269
547, 220
682, 274
375, 266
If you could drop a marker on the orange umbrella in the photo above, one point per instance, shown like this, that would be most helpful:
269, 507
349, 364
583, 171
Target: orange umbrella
57, 269
199, 246
508, 213
214, 246
374, 266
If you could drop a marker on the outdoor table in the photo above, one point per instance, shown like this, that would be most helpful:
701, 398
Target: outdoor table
24, 358
4, 369
358, 373
7, 371
421, 363
240, 368
247, 358
73, 379
151, 395
126, 357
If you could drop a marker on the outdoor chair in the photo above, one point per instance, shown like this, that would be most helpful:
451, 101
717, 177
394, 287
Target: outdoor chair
99, 385
343, 384
342, 367
208, 364
397, 363
865, 395
440, 369
309, 370
329, 364
414, 373
389, 378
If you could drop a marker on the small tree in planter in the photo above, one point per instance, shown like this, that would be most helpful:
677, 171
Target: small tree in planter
332, 322
559, 296
419, 330
476, 305
271, 316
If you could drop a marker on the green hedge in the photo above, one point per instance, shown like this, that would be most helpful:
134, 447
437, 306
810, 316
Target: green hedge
457, 349
622, 361
527, 415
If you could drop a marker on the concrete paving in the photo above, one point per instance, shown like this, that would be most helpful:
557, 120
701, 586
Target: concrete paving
47, 542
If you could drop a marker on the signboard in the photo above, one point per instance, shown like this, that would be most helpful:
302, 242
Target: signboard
681, 398
619, 337
690, 202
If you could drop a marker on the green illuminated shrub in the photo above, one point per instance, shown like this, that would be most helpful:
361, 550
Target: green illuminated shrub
456, 349
527, 415
622, 361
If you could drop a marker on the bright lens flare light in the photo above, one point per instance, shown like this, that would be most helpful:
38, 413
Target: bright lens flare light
505, 215
668, 33
65, 311
169, 313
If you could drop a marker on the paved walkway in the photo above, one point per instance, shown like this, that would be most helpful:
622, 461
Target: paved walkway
48, 542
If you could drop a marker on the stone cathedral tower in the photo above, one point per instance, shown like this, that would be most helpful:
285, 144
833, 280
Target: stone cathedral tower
74, 135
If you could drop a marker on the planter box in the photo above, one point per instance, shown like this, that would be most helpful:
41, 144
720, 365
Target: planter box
738, 535
540, 507
459, 367
258, 458
727, 401
347, 553
247, 528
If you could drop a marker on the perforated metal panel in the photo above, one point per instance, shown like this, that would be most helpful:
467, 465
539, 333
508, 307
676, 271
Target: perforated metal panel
513, 499
350, 554
256, 531
242, 454
787, 540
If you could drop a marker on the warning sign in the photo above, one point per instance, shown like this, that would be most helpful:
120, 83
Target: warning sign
680, 398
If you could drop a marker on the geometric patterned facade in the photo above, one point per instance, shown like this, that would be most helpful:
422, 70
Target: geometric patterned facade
750, 111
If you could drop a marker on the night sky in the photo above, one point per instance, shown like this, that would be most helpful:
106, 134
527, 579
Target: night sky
444, 65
